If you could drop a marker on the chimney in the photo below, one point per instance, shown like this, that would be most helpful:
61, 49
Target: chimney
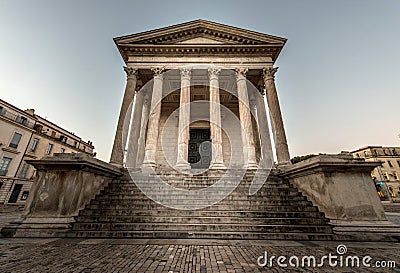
30, 111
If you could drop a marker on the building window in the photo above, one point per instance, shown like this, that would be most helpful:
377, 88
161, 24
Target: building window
396, 176
38, 128
374, 153
392, 193
15, 140
385, 175
24, 195
398, 162
373, 176
24, 170
1, 184
5, 163
49, 148
358, 155
390, 163
75, 143
394, 152
2, 111
22, 120
62, 150
63, 139
34, 144
365, 153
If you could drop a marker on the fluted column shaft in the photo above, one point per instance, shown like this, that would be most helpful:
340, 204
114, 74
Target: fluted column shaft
143, 127
217, 161
154, 120
184, 120
266, 147
249, 150
131, 157
117, 154
281, 146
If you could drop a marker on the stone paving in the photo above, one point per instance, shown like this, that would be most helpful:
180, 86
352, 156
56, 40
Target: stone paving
142, 255
116, 255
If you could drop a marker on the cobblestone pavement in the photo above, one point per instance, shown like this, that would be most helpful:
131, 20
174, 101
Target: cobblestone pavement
118, 255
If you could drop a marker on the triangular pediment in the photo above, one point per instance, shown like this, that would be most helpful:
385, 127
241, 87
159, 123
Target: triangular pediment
200, 32
200, 41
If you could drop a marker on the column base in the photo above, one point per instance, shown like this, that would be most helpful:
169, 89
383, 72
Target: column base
183, 166
148, 165
116, 164
218, 166
284, 164
252, 166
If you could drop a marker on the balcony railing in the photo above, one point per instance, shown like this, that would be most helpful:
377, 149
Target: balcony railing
17, 118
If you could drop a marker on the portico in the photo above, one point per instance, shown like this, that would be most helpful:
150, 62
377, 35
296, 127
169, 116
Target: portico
199, 75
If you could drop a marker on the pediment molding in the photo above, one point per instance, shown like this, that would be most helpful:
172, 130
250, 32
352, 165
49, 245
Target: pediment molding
199, 38
200, 29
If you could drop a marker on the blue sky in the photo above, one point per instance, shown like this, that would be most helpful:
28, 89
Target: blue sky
338, 81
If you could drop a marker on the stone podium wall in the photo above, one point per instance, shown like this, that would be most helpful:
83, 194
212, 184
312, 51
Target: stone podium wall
65, 183
340, 186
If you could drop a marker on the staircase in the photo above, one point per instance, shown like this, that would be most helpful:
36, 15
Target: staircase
276, 211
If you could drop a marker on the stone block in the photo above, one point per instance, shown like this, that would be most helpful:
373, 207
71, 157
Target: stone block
65, 183
342, 188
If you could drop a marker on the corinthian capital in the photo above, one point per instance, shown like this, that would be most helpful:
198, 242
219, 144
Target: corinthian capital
213, 72
241, 73
158, 70
269, 73
131, 73
185, 73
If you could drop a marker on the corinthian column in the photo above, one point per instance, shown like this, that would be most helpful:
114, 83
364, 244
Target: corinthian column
262, 120
281, 146
249, 149
184, 120
131, 157
143, 127
117, 154
154, 120
217, 161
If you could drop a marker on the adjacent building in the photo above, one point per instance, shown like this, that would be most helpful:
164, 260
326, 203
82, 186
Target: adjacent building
386, 176
25, 136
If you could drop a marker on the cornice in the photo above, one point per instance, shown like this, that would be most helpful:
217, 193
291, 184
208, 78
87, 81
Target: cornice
199, 28
199, 50
167, 41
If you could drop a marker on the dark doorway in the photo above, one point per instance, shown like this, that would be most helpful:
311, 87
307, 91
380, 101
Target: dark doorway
200, 148
15, 193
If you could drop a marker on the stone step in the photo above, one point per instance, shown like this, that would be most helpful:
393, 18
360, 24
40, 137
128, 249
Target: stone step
177, 196
229, 207
240, 188
204, 213
262, 194
201, 220
277, 211
191, 202
196, 182
222, 227
190, 183
203, 235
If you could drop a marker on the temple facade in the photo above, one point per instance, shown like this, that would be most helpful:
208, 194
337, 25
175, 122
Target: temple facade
193, 155
195, 99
